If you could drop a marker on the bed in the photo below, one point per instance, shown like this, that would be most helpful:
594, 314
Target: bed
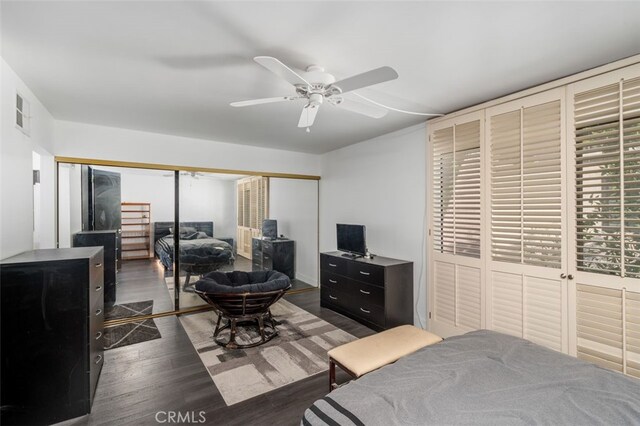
483, 377
197, 244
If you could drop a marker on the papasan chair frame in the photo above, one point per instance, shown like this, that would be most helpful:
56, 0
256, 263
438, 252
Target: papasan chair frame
238, 308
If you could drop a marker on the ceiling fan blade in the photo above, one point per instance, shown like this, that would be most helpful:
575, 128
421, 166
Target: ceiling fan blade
263, 101
308, 115
369, 78
361, 108
280, 69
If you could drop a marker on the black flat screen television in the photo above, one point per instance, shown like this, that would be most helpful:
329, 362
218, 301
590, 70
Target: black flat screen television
270, 229
352, 239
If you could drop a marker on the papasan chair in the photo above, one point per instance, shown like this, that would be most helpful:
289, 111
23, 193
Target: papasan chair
243, 298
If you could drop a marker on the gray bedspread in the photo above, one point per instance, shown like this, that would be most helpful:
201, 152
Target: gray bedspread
483, 377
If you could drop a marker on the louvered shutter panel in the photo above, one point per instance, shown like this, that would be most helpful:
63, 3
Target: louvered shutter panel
507, 303
541, 184
599, 326
631, 148
632, 329
443, 214
526, 186
467, 292
445, 293
240, 203
543, 308
597, 145
467, 189
506, 188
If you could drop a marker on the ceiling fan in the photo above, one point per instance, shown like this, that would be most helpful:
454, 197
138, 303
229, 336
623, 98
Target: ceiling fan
316, 86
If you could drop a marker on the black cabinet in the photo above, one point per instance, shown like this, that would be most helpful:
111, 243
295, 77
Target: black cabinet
109, 241
51, 331
277, 254
377, 292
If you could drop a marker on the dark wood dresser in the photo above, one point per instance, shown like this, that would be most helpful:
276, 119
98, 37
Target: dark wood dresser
108, 240
376, 292
52, 334
277, 254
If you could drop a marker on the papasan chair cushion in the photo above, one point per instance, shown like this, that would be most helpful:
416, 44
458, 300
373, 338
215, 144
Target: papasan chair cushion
243, 282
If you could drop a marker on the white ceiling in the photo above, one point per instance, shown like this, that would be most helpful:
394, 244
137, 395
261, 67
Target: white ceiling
173, 67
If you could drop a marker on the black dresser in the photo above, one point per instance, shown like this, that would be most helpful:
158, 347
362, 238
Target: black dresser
377, 292
51, 331
277, 254
109, 241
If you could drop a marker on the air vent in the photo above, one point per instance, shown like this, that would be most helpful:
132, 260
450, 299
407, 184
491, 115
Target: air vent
22, 114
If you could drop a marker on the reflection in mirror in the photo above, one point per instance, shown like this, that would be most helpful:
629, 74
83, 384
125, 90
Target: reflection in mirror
116, 208
246, 223
207, 229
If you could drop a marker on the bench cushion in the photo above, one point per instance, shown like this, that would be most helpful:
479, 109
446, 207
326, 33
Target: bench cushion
375, 351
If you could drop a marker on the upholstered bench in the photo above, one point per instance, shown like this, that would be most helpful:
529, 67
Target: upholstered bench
372, 352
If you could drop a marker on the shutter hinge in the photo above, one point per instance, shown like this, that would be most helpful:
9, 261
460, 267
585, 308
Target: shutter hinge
429, 315
429, 231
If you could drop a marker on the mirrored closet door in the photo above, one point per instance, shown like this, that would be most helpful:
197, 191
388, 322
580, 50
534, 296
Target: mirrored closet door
118, 208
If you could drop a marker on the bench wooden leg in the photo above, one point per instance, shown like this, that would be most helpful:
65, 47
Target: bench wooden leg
332, 375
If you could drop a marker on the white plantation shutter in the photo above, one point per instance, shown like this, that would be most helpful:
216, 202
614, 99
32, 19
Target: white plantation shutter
442, 145
468, 310
506, 187
599, 326
631, 148
445, 292
456, 189
632, 333
507, 303
542, 185
607, 134
467, 189
456, 224
597, 145
526, 186
527, 297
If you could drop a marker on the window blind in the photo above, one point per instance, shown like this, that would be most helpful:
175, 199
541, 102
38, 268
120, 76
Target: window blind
526, 186
607, 135
456, 189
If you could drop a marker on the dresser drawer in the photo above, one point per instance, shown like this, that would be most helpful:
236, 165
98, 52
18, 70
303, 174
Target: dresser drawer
256, 245
367, 294
96, 278
335, 297
334, 281
369, 312
371, 274
333, 264
267, 247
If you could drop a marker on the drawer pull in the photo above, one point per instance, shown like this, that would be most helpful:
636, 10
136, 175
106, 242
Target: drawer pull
98, 359
365, 273
332, 298
98, 335
98, 312
333, 281
364, 292
99, 288
365, 311
98, 265
333, 265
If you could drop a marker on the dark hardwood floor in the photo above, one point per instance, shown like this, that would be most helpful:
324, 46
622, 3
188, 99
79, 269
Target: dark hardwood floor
166, 374
140, 280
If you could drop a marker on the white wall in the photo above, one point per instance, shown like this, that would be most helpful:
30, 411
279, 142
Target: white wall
380, 183
294, 204
110, 143
16, 165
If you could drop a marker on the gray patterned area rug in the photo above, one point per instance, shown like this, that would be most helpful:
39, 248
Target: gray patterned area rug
130, 333
299, 351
